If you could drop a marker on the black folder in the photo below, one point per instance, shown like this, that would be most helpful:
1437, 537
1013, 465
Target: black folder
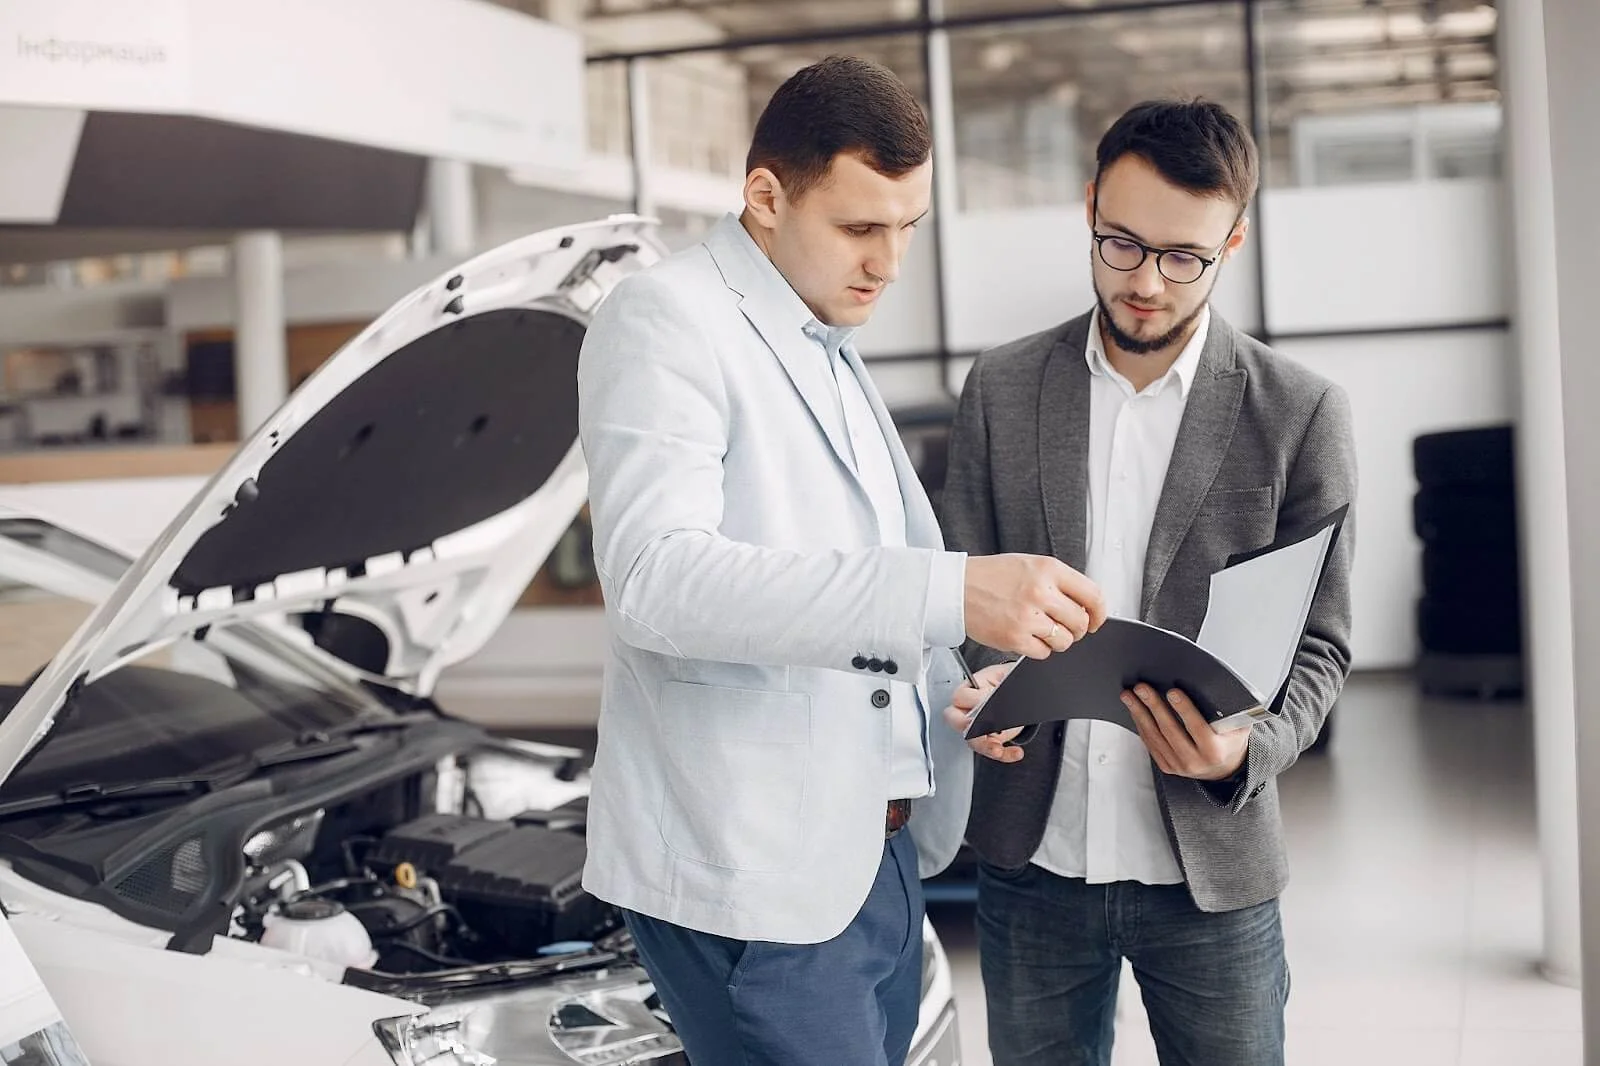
1088, 679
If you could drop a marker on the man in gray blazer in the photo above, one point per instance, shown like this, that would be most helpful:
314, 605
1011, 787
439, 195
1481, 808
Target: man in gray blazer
1145, 443
781, 606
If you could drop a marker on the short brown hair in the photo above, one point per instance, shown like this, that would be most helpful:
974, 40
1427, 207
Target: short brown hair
842, 105
1195, 144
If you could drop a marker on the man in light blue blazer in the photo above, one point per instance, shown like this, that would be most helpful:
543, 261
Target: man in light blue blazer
781, 606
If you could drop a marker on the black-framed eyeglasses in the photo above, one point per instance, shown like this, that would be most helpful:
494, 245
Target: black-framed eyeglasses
1177, 266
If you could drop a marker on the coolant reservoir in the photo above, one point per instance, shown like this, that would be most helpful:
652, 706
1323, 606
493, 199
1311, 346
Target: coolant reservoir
319, 929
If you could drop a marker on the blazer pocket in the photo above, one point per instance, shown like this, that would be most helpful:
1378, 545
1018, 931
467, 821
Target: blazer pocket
735, 775
1237, 501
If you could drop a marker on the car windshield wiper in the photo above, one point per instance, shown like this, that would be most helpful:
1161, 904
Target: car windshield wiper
307, 747
363, 725
94, 795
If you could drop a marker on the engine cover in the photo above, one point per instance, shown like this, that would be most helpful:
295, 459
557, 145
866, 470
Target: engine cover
519, 887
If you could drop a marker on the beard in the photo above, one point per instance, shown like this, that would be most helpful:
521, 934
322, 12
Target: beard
1127, 342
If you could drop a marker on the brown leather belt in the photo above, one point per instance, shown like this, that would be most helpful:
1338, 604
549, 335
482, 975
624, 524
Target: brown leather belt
895, 819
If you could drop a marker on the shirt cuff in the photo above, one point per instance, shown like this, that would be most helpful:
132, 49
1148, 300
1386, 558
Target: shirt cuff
945, 622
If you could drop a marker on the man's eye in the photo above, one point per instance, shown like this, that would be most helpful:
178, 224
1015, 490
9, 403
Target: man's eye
859, 231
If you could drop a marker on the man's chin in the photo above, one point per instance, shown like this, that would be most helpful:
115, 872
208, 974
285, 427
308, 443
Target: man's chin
850, 316
1143, 335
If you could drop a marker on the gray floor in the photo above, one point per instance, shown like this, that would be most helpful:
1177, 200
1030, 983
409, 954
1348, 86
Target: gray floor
1413, 916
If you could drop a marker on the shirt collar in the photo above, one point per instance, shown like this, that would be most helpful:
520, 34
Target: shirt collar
1182, 370
779, 296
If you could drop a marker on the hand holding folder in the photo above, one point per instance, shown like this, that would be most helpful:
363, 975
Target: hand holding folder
1235, 671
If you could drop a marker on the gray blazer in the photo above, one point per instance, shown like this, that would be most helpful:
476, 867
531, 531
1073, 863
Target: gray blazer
1264, 448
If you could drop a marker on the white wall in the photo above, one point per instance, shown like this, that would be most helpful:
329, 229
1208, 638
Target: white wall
1417, 254
906, 321
41, 315
326, 292
1017, 272
1401, 386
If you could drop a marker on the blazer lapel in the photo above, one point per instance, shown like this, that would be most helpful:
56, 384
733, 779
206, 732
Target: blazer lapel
1204, 435
802, 360
1064, 444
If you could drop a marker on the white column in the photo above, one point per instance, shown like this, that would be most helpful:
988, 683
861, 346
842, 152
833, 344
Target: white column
639, 124
946, 168
567, 13
1541, 477
261, 362
1572, 40
452, 208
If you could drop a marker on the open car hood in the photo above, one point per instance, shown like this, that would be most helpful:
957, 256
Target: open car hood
418, 480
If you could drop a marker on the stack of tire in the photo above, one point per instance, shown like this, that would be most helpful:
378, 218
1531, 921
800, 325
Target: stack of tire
1469, 617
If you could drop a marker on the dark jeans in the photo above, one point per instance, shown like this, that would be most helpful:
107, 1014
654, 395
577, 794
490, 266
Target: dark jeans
850, 1000
1051, 950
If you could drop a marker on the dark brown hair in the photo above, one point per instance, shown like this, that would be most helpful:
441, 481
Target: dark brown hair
841, 105
1195, 144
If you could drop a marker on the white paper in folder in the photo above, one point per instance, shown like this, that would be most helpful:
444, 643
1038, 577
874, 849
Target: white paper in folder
1258, 608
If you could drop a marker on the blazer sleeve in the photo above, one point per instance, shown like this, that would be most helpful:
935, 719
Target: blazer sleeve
654, 416
1322, 478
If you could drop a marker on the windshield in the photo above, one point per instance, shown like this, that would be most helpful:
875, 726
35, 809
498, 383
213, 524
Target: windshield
53, 540
173, 712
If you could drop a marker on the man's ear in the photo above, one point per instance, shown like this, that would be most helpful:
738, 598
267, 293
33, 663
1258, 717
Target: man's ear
1236, 240
763, 193
1088, 202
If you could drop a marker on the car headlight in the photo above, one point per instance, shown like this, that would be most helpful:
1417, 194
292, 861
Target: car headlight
619, 1025
437, 1038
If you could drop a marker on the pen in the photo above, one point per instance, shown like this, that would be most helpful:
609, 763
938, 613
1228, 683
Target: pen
965, 669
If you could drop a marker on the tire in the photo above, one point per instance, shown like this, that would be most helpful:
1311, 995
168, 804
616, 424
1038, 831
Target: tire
1484, 517
1479, 457
1456, 570
1469, 625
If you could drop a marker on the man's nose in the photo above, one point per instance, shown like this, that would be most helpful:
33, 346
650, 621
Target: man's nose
884, 263
1147, 280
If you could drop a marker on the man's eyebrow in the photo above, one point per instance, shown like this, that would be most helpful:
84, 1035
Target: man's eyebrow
874, 222
1141, 240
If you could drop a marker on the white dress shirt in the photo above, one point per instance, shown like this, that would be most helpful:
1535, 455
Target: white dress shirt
911, 766
1105, 821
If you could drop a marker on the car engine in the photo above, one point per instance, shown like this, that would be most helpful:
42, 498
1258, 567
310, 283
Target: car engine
442, 891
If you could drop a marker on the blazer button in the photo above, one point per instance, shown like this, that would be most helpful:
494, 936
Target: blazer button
875, 665
859, 662
880, 699
890, 666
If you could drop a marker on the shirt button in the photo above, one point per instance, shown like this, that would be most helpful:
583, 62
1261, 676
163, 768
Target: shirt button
1103, 759
880, 699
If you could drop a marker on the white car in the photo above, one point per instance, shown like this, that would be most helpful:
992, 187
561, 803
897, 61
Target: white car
234, 826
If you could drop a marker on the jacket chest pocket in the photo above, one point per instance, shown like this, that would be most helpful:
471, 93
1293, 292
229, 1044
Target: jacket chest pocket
1238, 501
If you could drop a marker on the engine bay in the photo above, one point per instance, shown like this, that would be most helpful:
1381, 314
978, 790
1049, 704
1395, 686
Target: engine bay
458, 886
439, 891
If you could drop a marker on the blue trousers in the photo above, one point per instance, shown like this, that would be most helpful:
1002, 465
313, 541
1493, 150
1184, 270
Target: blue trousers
850, 1000
1051, 951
